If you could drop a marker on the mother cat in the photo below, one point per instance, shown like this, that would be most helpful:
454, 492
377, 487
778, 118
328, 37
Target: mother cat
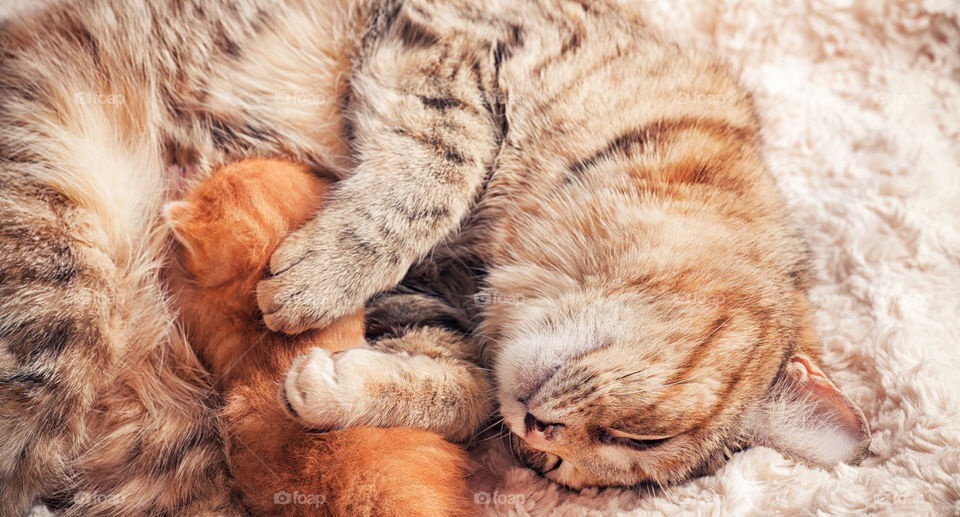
542, 140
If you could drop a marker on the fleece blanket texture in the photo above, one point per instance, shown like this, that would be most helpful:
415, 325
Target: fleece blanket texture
860, 101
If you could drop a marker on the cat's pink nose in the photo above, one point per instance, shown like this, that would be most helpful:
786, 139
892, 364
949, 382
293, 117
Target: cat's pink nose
539, 431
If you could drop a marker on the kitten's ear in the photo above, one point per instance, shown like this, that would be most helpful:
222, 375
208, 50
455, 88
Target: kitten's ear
175, 214
805, 416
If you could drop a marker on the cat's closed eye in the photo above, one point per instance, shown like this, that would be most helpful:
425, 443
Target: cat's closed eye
642, 443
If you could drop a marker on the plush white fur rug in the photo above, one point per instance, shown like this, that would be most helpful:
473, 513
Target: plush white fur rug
861, 105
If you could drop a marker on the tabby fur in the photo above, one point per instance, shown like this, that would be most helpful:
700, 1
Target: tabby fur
542, 141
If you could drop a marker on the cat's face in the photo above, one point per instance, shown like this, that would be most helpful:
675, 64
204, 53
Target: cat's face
636, 387
646, 342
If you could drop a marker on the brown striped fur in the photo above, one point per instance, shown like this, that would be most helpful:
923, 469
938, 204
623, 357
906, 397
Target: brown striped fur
107, 110
540, 142
646, 314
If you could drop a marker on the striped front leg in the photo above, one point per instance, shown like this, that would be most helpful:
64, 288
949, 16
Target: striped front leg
424, 139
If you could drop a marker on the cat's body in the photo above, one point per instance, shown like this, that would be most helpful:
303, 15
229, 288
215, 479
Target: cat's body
228, 226
643, 289
104, 407
539, 140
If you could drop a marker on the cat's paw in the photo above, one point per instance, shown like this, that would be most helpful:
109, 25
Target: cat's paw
326, 390
304, 290
316, 280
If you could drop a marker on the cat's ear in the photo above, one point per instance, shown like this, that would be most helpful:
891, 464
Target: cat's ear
175, 214
805, 416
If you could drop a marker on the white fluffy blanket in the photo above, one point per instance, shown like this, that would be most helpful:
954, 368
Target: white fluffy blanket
861, 105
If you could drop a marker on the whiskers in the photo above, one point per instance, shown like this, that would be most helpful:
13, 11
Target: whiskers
488, 432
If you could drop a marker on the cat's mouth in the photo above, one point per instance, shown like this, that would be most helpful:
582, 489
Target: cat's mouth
555, 466
542, 462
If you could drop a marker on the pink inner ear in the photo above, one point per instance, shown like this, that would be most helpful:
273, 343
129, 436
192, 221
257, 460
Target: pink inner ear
828, 402
807, 417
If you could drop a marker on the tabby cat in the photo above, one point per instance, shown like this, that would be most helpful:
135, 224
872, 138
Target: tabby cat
227, 227
645, 310
538, 142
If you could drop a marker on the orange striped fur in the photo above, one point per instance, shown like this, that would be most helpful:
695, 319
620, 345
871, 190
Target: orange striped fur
228, 225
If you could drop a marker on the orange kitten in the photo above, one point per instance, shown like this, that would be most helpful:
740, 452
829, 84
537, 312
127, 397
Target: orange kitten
228, 226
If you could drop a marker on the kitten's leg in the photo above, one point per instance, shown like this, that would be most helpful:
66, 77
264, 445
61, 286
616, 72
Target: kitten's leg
424, 141
357, 471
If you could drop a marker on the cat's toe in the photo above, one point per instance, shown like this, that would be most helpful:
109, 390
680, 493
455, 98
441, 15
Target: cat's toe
293, 250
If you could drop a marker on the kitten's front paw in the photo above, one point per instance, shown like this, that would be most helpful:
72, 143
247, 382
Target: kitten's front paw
326, 390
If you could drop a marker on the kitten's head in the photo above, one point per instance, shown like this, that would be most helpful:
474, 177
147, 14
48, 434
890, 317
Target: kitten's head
230, 223
635, 362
